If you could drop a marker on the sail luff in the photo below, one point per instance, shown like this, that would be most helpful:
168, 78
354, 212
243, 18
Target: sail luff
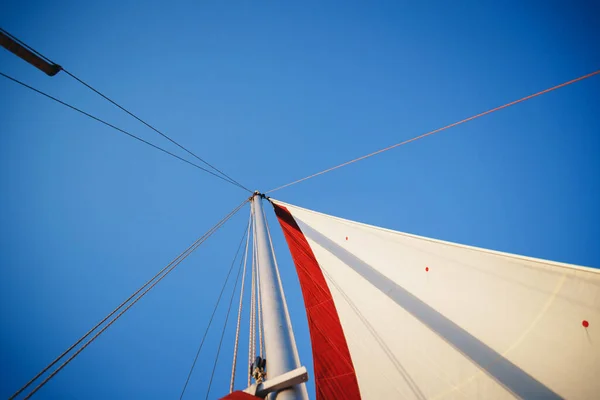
333, 367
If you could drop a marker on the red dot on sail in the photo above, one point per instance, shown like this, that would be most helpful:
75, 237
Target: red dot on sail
585, 323
426, 269
346, 237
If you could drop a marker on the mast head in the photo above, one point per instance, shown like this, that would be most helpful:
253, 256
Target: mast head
259, 194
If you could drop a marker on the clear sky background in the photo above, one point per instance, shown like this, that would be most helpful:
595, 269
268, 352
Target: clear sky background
270, 92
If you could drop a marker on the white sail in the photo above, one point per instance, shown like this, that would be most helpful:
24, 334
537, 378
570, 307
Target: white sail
394, 315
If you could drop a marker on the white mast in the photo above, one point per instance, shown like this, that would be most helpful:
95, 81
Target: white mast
280, 347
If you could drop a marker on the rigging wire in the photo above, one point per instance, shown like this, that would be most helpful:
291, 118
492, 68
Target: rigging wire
414, 388
246, 232
114, 127
230, 179
212, 375
28, 47
161, 133
239, 316
206, 236
147, 286
438, 130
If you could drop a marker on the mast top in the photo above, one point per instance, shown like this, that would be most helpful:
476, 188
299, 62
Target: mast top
261, 195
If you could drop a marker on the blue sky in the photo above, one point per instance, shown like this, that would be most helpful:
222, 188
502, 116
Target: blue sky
270, 92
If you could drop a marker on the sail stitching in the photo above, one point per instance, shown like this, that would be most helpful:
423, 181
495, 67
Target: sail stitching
518, 341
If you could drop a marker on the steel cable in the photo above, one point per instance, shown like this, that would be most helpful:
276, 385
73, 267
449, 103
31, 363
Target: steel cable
246, 233
229, 179
148, 286
439, 130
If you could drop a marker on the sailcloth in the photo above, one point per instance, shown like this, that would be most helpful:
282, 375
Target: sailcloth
399, 316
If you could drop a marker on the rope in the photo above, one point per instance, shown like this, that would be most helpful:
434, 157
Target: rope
148, 286
254, 323
230, 179
285, 307
512, 103
113, 126
259, 304
259, 312
239, 316
212, 375
246, 232
252, 333
98, 324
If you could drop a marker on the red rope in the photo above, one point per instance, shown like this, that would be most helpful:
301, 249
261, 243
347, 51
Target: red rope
441, 129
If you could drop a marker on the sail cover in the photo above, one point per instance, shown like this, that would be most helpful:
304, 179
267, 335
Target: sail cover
393, 315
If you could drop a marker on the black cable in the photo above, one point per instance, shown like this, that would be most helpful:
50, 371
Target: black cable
213, 314
128, 112
116, 128
171, 266
223, 331
159, 132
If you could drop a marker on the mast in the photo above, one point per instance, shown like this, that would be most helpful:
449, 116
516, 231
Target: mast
280, 347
